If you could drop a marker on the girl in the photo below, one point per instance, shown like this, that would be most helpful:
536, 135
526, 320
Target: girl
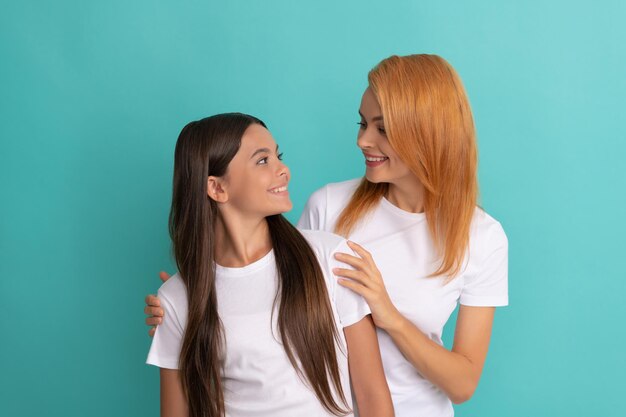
416, 212
251, 319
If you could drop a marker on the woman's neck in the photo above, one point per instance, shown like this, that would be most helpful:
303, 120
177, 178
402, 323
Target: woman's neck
239, 241
407, 194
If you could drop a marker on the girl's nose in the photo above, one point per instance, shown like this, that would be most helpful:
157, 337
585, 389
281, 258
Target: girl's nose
283, 170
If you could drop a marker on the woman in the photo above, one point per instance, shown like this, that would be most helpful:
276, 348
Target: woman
251, 318
416, 212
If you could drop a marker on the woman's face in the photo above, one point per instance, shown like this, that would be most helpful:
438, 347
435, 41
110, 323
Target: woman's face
382, 162
256, 179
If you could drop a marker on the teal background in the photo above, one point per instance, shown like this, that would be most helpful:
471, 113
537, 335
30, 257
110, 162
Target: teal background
93, 95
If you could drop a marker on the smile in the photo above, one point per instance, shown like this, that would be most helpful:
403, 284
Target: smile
278, 189
373, 161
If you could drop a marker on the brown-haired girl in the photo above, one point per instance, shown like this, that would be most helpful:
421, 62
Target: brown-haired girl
254, 324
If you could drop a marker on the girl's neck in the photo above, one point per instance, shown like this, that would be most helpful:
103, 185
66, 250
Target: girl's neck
407, 194
239, 241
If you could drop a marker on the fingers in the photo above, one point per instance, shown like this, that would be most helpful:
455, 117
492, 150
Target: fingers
352, 274
353, 261
152, 331
164, 276
152, 300
356, 287
153, 311
360, 250
153, 321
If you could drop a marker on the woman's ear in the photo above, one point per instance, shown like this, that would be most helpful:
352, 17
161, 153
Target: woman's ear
215, 191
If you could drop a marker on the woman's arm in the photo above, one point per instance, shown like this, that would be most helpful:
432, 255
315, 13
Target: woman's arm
366, 370
173, 400
455, 372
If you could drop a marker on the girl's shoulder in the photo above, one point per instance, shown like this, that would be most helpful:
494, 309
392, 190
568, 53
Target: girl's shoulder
322, 242
174, 291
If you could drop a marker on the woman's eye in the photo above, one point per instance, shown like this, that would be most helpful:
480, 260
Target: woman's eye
262, 161
382, 130
362, 125
280, 156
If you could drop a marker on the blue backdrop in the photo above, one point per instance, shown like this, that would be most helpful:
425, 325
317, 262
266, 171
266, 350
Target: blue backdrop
93, 95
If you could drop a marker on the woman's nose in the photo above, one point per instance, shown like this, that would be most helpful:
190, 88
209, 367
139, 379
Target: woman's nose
364, 140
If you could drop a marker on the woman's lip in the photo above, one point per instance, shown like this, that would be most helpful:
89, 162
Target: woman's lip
374, 164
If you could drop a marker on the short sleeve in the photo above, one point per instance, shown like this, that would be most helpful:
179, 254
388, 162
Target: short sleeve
167, 341
314, 215
351, 307
488, 287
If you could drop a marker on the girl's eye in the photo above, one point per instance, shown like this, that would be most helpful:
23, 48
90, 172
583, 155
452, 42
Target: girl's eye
362, 125
382, 130
280, 156
262, 161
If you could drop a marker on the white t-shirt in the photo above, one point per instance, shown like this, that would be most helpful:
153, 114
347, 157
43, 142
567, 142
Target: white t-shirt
258, 379
402, 248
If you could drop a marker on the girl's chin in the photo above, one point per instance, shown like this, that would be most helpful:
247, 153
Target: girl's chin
286, 208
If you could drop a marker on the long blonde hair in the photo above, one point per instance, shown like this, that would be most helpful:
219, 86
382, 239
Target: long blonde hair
429, 124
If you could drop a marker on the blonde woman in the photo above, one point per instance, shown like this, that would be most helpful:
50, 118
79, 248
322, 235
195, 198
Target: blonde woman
415, 213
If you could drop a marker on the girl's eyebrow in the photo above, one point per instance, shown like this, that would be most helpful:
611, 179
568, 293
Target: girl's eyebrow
262, 150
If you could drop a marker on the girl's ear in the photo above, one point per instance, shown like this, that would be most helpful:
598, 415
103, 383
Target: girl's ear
215, 191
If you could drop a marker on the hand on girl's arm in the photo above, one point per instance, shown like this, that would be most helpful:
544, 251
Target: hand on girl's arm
366, 370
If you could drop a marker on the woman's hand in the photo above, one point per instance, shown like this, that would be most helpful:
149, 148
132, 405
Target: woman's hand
153, 308
366, 281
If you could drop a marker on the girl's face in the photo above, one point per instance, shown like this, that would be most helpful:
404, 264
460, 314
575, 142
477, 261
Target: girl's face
382, 163
256, 179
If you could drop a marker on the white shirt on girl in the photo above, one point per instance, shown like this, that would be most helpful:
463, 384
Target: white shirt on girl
403, 250
257, 378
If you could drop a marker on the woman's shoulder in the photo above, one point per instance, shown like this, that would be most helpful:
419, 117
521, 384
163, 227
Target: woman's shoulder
323, 207
486, 232
334, 192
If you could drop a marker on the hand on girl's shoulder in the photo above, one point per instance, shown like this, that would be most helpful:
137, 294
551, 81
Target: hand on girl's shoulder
173, 291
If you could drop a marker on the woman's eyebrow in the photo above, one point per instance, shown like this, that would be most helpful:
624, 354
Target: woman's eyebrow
374, 119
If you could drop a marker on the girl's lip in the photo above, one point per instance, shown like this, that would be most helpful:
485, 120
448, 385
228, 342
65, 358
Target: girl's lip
274, 190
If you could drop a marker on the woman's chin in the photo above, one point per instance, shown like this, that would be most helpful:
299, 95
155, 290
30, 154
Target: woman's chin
373, 178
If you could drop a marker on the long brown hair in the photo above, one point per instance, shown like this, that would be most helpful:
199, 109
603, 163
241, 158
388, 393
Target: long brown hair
305, 321
429, 124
